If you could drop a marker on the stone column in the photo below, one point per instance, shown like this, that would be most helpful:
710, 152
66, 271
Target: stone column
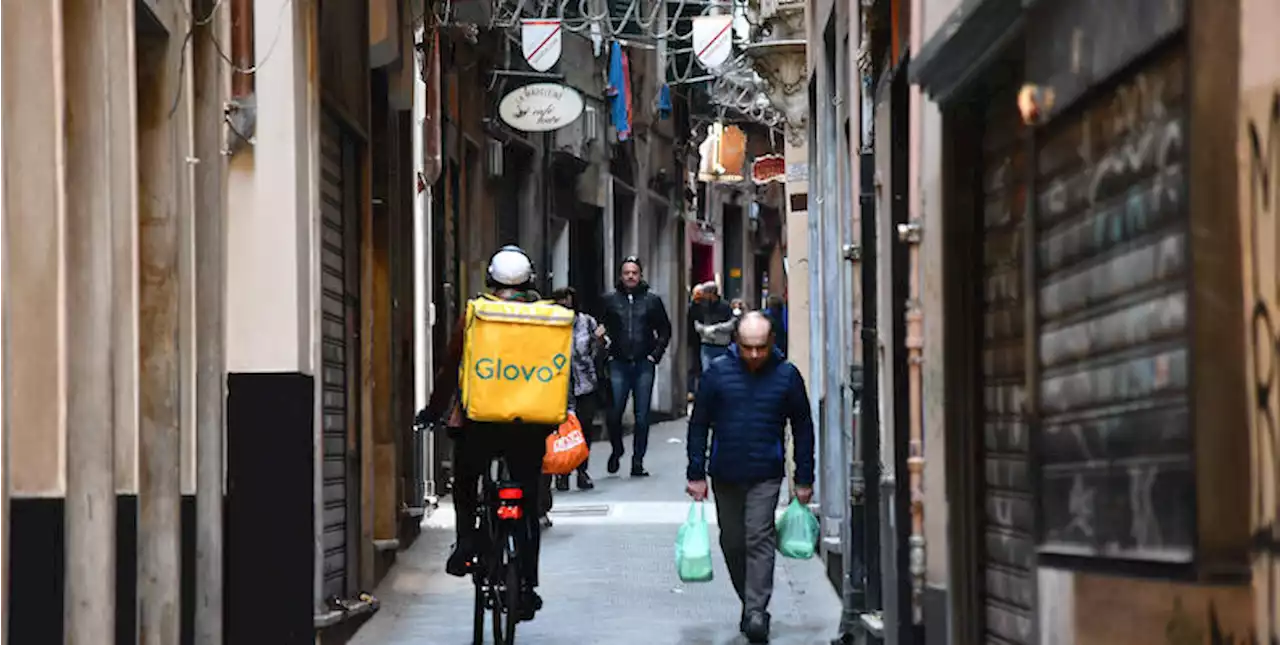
92, 110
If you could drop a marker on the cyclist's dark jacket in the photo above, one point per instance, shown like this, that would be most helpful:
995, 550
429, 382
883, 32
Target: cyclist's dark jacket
747, 414
637, 323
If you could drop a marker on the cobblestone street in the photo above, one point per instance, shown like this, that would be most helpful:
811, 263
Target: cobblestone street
608, 575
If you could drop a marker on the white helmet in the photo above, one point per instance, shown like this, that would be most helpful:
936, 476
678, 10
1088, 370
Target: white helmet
510, 267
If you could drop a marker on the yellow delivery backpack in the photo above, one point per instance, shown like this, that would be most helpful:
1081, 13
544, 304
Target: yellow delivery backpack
515, 361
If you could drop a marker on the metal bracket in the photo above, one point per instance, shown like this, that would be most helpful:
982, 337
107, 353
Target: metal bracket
550, 76
852, 252
910, 232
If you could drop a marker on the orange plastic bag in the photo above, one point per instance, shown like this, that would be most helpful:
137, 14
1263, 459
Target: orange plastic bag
566, 448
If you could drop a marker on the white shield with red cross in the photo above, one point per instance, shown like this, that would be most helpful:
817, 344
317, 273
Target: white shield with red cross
540, 42
713, 40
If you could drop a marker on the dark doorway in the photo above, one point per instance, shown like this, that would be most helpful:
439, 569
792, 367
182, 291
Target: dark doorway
733, 256
586, 256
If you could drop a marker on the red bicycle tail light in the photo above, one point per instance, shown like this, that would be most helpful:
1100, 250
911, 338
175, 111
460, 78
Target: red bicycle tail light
509, 512
510, 493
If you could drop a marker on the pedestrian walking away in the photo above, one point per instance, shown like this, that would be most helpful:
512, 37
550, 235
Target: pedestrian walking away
714, 325
776, 310
639, 332
697, 302
743, 406
589, 339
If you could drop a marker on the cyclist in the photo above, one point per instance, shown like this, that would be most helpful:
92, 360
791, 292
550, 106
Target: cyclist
476, 445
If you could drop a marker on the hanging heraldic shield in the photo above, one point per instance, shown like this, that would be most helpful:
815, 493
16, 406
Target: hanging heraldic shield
712, 40
540, 42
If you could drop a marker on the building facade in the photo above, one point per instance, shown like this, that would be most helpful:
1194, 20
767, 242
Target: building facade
217, 227
1062, 401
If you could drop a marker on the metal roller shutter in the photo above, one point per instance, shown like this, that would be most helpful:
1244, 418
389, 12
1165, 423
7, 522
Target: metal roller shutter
338, 304
1007, 511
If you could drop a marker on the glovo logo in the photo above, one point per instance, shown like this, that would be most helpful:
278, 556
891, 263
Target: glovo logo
488, 369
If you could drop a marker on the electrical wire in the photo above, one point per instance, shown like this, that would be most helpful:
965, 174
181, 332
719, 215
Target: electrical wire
194, 22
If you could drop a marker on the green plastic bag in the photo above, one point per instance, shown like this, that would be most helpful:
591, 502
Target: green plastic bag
797, 532
693, 547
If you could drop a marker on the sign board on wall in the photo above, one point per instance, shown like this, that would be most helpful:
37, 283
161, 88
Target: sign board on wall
540, 107
768, 168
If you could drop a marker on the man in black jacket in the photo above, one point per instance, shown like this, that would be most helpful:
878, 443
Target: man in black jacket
638, 325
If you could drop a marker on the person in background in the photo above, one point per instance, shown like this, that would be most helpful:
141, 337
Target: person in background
739, 307
640, 331
589, 339
774, 310
714, 325
744, 404
696, 304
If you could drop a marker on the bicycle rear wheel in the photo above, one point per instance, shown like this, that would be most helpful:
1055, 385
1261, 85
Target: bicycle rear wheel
499, 607
512, 589
477, 627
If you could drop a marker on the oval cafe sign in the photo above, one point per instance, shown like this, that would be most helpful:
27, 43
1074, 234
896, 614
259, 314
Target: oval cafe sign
540, 107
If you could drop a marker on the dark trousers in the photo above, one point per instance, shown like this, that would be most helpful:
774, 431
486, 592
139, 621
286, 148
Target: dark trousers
587, 405
748, 539
630, 377
474, 448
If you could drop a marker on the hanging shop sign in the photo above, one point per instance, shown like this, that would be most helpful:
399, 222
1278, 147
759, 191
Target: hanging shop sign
712, 40
540, 107
540, 42
768, 168
723, 154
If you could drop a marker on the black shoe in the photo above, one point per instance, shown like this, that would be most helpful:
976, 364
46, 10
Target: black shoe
562, 483
459, 562
615, 463
530, 604
637, 469
757, 627
584, 481
546, 521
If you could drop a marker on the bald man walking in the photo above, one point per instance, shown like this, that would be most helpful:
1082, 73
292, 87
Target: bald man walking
744, 403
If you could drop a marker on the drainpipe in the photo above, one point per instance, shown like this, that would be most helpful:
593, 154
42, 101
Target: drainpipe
89, 608
210, 252
4, 376
242, 53
241, 110
546, 212
867, 490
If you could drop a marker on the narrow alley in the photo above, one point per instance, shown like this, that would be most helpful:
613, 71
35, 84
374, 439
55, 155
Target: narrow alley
608, 574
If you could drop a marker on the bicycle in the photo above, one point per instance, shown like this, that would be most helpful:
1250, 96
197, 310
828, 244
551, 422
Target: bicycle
496, 565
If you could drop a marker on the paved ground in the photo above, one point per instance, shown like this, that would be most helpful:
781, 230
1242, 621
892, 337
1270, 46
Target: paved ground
608, 576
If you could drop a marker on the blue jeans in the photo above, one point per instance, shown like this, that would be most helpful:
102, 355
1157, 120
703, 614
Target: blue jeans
710, 353
628, 377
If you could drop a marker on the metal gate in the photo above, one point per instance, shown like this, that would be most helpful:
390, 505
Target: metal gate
1006, 512
339, 289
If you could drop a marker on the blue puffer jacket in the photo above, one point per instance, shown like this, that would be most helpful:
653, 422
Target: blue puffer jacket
746, 414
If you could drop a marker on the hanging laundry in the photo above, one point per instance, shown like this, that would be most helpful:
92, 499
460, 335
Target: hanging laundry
664, 102
619, 91
626, 93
